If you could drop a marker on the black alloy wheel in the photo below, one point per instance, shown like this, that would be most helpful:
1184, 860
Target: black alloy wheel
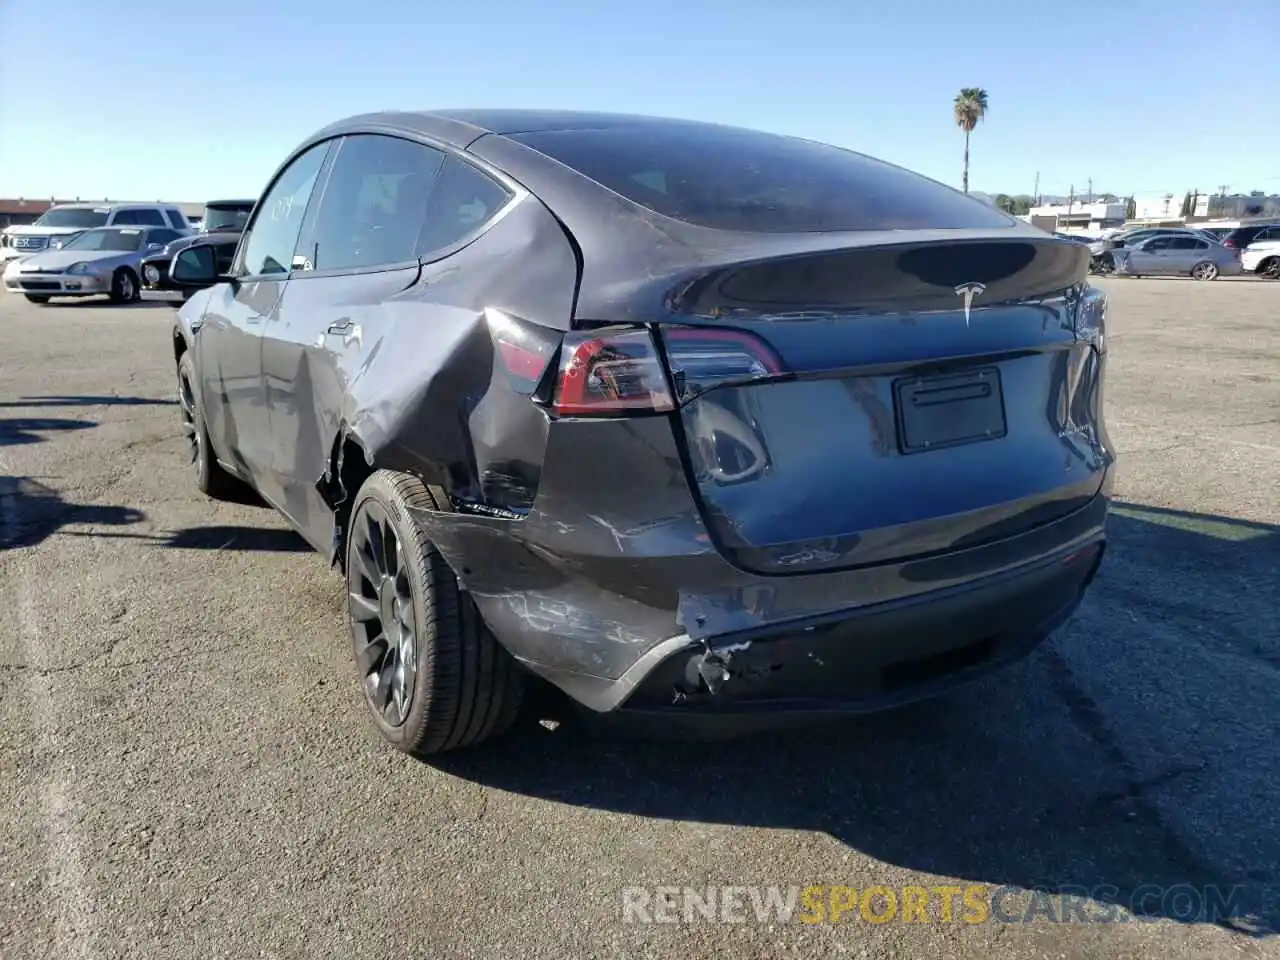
433, 677
211, 479
380, 600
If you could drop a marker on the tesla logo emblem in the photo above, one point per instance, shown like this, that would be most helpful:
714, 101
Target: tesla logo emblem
969, 291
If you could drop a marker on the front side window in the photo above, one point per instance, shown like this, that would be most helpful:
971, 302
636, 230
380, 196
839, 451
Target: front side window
162, 236
273, 235
375, 203
177, 220
117, 239
745, 180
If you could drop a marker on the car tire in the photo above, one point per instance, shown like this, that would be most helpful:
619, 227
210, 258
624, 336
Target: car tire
124, 286
211, 479
1270, 268
1205, 270
433, 677
33, 298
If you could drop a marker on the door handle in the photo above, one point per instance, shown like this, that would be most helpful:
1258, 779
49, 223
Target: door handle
342, 326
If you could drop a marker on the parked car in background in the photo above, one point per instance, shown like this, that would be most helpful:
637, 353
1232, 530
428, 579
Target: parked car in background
1241, 237
223, 220
1176, 255
1262, 258
683, 418
67, 219
1102, 252
103, 260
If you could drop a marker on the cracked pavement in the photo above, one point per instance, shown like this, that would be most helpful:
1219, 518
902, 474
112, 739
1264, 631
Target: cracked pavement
185, 769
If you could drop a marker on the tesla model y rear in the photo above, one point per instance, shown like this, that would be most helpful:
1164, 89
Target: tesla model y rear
683, 418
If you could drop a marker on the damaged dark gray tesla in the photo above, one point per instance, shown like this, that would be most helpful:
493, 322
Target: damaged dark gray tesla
682, 418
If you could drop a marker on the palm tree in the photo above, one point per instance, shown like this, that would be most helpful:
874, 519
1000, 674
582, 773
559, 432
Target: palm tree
970, 107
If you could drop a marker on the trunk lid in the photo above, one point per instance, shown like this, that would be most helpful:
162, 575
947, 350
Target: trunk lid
911, 398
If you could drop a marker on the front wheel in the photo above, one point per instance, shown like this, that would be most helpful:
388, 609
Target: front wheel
124, 287
434, 677
211, 479
1205, 271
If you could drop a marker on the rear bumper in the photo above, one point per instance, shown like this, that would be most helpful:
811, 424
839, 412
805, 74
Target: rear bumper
857, 661
611, 582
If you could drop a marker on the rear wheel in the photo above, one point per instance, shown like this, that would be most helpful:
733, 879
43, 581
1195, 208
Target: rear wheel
1270, 268
433, 676
211, 479
124, 286
36, 299
1205, 270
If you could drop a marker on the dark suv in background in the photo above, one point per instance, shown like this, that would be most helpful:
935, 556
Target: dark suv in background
224, 222
1241, 237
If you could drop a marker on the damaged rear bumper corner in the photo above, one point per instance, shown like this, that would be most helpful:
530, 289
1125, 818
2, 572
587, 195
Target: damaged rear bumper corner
849, 662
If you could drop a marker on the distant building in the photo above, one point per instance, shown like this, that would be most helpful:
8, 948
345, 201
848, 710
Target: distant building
1082, 217
22, 211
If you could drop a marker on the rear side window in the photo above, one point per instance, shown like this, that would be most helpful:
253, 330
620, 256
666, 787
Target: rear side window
391, 201
463, 200
744, 180
177, 220
148, 218
374, 203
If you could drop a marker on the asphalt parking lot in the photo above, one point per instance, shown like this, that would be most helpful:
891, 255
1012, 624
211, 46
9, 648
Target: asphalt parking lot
187, 771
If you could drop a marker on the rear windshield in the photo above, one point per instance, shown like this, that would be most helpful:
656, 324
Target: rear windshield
229, 217
743, 180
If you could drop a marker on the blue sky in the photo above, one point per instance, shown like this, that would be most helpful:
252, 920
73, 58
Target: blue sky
185, 101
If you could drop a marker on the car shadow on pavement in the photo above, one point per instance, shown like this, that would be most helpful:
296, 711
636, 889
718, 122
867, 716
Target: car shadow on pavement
86, 303
31, 512
252, 539
78, 401
256, 539
18, 431
1135, 758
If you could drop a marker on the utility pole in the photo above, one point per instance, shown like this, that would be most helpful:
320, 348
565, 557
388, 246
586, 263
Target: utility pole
1035, 191
1091, 189
1222, 190
1071, 198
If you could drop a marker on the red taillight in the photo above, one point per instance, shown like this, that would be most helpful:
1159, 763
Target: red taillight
606, 373
1229, 243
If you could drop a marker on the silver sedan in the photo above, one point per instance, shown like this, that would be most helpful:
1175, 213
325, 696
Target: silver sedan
101, 260
1177, 255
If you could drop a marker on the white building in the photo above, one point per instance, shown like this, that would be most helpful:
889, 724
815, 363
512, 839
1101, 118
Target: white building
1083, 217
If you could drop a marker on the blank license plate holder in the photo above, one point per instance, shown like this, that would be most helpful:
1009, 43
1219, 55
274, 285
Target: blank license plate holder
934, 413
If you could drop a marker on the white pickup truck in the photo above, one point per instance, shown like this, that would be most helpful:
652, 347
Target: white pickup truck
68, 219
